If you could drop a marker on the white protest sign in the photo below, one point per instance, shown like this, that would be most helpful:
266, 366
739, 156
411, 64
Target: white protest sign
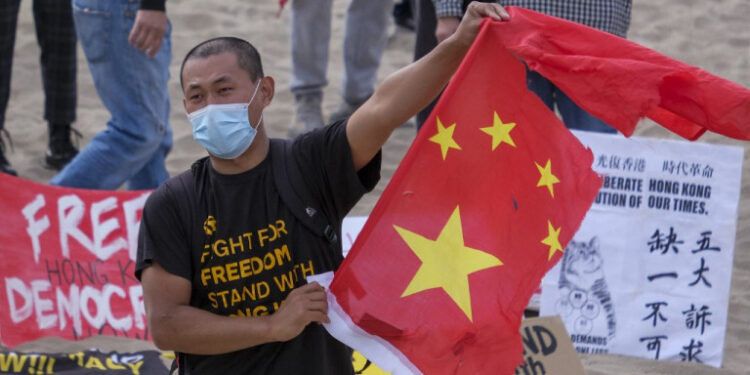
350, 228
648, 273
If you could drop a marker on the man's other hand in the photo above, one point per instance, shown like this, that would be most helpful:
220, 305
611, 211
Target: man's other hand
302, 306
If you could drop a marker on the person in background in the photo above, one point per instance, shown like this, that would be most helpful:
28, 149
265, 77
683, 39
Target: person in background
365, 39
56, 37
403, 15
128, 49
612, 16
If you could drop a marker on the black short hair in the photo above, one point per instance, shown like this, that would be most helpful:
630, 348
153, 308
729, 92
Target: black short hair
248, 57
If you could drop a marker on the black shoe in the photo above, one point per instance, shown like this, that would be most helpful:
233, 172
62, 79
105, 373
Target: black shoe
61, 150
4, 164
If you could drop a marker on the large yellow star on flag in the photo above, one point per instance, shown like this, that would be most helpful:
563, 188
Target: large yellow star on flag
444, 138
446, 262
500, 132
547, 178
552, 240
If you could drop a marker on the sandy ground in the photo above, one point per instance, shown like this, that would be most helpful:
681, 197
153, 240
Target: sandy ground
710, 34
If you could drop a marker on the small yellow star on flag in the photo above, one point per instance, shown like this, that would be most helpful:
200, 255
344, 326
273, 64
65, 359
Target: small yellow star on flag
444, 138
547, 178
552, 240
446, 262
500, 132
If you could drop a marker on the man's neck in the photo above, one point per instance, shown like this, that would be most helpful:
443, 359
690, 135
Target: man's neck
249, 159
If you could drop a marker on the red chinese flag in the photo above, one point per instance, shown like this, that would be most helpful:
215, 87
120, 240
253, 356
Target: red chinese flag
621, 82
482, 205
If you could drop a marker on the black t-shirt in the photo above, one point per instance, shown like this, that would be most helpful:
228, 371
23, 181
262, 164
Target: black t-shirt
243, 250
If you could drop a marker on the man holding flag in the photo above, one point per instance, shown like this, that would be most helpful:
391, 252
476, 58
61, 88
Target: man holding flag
217, 261
482, 205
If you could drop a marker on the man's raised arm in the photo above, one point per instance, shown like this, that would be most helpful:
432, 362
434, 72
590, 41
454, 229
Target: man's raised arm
411, 88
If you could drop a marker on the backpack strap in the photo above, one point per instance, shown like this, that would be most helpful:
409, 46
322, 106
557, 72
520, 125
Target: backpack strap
175, 368
291, 186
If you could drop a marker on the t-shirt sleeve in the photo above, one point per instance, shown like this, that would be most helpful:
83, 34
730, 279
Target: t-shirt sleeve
153, 5
326, 160
162, 237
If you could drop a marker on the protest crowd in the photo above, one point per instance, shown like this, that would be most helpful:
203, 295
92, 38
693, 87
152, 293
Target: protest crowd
319, 101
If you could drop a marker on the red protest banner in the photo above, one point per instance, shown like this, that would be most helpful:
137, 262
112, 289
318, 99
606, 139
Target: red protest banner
68, 261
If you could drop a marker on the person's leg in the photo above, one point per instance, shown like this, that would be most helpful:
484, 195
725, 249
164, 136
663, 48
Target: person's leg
133, 88
310, 35
426, 41
425, 28
154, 173
541, 87
57, 40
403, 14
8, 23
575, 117
365, 39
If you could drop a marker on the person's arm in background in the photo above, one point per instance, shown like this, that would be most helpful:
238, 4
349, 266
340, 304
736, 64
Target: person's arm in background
149, 27
411, 88
448, 14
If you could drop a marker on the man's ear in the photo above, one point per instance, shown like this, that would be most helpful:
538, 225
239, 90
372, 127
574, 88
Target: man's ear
267, 88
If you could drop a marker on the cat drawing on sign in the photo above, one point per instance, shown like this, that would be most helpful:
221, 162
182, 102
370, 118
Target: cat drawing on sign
586, 302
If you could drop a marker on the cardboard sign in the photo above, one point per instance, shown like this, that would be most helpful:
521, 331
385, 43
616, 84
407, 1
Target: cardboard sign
547, 348
68, 262
648, 273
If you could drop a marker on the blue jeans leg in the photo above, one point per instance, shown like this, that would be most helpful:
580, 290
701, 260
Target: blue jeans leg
573, 116
540, 86
154, 172
133, 88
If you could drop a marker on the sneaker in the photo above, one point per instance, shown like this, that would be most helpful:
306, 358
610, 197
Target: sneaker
344, 110
4, 163
308, 114
61, 150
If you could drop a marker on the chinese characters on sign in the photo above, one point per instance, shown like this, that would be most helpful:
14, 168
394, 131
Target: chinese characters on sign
695, 320
648, 273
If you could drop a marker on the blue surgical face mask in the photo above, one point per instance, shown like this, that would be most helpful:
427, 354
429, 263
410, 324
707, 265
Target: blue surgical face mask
224, 129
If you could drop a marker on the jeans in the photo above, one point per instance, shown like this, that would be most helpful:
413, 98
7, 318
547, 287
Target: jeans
133, 147
573, 116
365, 39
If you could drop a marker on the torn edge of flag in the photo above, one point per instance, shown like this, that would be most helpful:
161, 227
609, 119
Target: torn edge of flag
374, 348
